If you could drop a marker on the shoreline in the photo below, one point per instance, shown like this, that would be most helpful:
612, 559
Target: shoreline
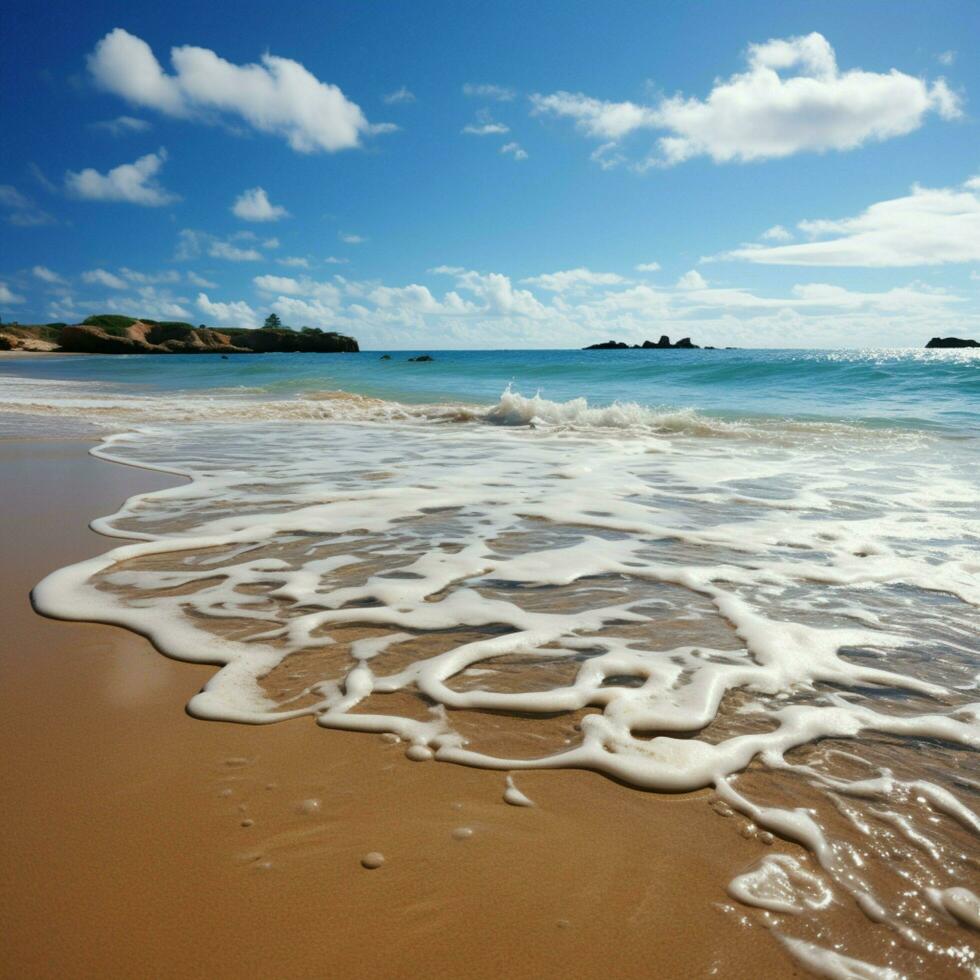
141, 836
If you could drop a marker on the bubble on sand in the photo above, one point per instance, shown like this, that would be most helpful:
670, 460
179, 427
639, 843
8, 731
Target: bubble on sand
372, 860
225, 792
462, 833
310, 806
390, 737
419, 753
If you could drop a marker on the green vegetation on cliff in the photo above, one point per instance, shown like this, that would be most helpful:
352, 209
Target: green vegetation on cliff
111, 333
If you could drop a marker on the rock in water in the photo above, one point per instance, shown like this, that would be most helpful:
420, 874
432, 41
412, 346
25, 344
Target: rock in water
952, 342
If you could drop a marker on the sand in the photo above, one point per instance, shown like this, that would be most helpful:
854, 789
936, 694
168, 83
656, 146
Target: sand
137, 841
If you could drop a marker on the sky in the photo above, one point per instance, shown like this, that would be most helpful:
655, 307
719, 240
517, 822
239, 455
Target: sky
473, 175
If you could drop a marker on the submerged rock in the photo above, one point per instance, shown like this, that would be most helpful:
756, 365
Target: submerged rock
421, 357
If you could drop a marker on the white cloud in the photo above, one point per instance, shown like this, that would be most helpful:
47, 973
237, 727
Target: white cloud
133, 183
777, 233
278, 96
793, 98
399, 96
6, 296
271, 243
692, 280
295, 261
254, 205
603, 120
195, 280
647, 267
482, 309
926, 227
47, 275
946, 58
303, 312
237, 314
571, 279
193, 244
21, 210
102, 277
122, 125
498, 93
219, 249
515, 150
148, 278
279, 284
351, 239
335, 260
485, 125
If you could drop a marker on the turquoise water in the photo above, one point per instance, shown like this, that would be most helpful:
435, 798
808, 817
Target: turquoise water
916, 388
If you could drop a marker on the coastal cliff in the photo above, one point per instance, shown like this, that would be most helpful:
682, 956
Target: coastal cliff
110, 334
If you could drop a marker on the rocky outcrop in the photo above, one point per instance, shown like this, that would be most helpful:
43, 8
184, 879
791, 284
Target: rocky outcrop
295, 341
662, 344
123, 335
952, 342
146, 338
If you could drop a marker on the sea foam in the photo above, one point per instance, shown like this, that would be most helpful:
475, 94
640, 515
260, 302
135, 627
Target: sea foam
790, 621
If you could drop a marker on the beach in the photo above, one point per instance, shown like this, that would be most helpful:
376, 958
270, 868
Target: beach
125, 852
521, 685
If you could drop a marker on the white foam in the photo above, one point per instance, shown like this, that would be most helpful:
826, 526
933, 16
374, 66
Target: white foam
813, 583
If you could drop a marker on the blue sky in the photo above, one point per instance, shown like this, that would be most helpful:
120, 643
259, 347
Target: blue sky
505, 175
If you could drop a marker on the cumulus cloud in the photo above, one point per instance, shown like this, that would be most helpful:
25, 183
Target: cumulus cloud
692, 280
570, 279
498, 93
278, 96
777, 233
103, 277
485, 125
147, 278
280, 284
792, 98
237, 314
193, 244
134, 183
195, 280
7, 296
398, 97
481, 308
335, 260
21, 210
122, 125
647, 267
926, 227
254, 205
515, 150
296, 261
47, 275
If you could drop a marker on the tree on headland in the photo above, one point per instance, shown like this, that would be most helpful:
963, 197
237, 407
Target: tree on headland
272, 322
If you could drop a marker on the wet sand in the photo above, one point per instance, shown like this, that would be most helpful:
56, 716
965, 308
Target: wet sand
138, 841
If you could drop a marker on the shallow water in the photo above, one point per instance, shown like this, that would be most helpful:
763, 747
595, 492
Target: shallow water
779, 607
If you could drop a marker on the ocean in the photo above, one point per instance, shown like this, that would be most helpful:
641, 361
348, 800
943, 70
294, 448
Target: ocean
752, 573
